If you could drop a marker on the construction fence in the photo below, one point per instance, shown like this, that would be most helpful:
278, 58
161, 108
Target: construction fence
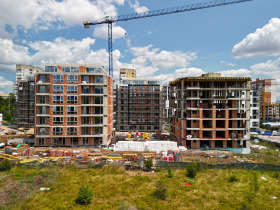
248, 166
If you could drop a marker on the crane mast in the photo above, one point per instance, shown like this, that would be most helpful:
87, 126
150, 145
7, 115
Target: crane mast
190, 7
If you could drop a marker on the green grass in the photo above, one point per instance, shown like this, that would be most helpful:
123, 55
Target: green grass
114, 188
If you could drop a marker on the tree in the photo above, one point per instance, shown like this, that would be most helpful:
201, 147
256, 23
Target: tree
85, 195
149, 163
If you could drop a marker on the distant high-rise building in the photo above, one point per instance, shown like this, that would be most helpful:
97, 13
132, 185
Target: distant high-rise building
127, 74
269, 109
25, 94
211, 111
74, 105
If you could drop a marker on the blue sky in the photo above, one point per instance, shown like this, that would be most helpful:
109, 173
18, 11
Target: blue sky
236, 40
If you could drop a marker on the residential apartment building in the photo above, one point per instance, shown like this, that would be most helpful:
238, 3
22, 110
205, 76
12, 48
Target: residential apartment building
211, 111
140, 105
74, 105
269, 109
254, 108
25, 94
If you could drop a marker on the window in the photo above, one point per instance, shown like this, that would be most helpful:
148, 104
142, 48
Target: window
57, 109
72, 89
58, 78
58, 99
85, 141
85, 99
42, 131
86, 110
42, 78
72, 78
98, 130
42, 99
98, 120
42, 89
86, 120
98, 100
72, 109
58, 89
86, 79
42, 141
71, 120
70, 69
98, 90
98, 110
57, 120
57, 131
71, 131
153, 82
42, 110
85, 89
42, 120
72, 99
85, 131
51, 68
98, 80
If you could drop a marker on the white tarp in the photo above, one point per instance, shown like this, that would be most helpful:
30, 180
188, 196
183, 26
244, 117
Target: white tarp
147, 146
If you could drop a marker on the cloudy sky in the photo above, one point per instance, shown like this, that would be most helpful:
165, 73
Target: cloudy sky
236, 40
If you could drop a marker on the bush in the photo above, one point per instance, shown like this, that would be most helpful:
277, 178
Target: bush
161, 191
5, 165
192, 170
232, 179
170, 173
149, 163
84, 196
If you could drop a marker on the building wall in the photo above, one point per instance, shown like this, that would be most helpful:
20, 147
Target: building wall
210, 111
85, 121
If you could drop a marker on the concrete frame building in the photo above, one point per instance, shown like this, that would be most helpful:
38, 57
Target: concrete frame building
25, 94
140, 104
269, 109
74, 105
127, 74
211, 111
254, 108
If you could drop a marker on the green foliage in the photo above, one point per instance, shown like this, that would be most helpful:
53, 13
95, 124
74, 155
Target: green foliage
262, 125
8, 108
85, 195
161, 191
149, 163
276, 175
170, 173
5, 165
233, 179
276, 128
192, 170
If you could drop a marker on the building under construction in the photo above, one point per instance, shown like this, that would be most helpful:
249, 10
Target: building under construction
211, 111
140, 105
25, 92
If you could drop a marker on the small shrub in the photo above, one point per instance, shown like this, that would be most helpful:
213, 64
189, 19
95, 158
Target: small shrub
5, 165
191, 170
276, 175
233, 179
149, 163
84, 196
161, 191
170, 173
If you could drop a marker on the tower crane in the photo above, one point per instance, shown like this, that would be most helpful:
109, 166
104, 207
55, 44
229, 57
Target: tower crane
190, 7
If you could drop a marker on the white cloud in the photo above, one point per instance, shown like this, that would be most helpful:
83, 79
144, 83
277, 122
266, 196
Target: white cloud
42, 14
236, 73
12, 54
263, 42
179, 73
137, 8
102, 32
161, 59
270, 68
227, 63
6, 86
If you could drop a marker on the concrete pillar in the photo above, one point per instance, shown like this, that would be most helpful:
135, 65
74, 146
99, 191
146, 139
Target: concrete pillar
224, 143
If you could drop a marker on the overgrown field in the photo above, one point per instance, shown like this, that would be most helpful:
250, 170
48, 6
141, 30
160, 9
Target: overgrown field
115, 188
